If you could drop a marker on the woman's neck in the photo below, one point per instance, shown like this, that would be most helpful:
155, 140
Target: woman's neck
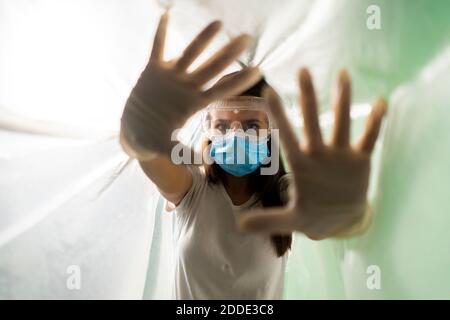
238, 189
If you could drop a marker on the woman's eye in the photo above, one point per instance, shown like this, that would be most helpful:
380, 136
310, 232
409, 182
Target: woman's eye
253, 126
221, 127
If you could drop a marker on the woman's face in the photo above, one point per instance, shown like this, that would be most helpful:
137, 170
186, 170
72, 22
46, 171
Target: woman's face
239, 139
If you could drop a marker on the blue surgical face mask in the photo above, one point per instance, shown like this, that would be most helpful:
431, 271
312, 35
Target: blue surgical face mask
239, 155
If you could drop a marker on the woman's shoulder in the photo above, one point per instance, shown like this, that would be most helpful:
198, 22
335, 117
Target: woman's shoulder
199, 183
283, 185
285, 180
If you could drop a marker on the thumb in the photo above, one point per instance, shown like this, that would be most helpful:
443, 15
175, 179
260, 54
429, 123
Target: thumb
278, 220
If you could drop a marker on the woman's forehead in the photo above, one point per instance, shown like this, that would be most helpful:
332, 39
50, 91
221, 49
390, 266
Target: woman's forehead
239, 115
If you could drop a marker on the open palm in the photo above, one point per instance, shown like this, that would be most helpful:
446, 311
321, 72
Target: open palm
167, 94
330, 181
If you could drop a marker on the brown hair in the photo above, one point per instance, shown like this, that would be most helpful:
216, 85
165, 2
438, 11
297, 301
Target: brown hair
266, 187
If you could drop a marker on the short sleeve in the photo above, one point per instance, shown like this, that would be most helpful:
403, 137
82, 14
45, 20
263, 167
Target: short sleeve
198, 183
283, 184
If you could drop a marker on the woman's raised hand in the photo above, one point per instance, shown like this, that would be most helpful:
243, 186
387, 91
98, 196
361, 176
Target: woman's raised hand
330, 181
166, 94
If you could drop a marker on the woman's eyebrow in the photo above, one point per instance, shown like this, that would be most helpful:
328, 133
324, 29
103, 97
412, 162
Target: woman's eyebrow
248, 120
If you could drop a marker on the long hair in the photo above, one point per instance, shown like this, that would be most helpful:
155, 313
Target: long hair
266, 187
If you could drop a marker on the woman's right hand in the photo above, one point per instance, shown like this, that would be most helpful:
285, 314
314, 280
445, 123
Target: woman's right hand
166, 94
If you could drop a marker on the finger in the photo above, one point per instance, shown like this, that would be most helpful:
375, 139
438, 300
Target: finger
308, 105
373, 125
160, 38
341, 133
221, 60
196, 47
288, 137
277, 220
235, 84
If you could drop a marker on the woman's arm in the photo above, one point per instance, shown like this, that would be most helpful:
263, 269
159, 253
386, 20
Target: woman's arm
166, 95
173, 181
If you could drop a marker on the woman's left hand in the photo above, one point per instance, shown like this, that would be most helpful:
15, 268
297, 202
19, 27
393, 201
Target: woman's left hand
328, 194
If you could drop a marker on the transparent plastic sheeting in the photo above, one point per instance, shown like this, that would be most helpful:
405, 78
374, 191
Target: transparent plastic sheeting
70, 197
408, 245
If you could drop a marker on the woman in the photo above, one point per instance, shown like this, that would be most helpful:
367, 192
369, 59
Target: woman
215, 259
327, 198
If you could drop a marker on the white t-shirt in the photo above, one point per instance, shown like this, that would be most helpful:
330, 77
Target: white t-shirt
214, 259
